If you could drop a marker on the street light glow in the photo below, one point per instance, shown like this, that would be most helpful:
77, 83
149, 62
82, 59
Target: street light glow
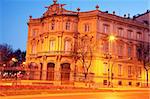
112, 38
14, 59
23, 63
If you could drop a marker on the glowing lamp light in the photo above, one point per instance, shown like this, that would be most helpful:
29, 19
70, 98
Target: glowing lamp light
24, 63
14, 59
112, 38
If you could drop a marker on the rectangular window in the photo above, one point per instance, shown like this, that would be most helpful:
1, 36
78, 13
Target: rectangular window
129, 83
129, 70
139, 36
106, 28
104, 82
86, 28
67, 45
120, 32
139, 71
129, 51
130, 34
120, 83
105, 67
105, 46
52, 26
119, 69
120, 50
33, 49
34, 32
138, 84
67, 25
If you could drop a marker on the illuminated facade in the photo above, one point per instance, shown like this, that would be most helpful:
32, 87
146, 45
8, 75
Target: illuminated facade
52, 42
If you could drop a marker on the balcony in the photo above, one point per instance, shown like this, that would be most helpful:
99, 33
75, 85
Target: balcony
52, 53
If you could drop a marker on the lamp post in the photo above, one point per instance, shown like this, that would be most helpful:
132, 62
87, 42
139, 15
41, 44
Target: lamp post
15, 64
111, 39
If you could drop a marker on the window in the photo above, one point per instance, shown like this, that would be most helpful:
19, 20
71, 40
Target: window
105, 46
34, 32
104, 82
119, 69
52, 25
129, 83
67, 46
129, 70
129, 51
120, 50
105, 67
52, 45
33, 49
86, 28
67, 25
120, 83
139, 71
120, 32
106, 28
130, 34
138, 84
139, 36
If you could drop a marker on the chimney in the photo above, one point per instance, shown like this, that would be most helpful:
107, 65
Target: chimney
124, 15
106, 11
78, 9
113, 12
30, 17
128, 16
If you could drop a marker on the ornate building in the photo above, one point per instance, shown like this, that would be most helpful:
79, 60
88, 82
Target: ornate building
99, 47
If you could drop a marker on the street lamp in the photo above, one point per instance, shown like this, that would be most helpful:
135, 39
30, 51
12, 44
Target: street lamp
14, 60
111, 39
15, 64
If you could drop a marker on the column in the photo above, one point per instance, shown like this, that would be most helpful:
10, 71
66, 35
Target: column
72, 72
44, 70
57, 74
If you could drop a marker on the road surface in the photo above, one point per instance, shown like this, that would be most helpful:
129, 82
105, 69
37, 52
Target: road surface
93, 95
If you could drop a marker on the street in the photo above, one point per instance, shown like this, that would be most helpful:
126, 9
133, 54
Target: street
93, 95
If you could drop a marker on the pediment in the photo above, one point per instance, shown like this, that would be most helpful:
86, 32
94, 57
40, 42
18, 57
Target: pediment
57, 9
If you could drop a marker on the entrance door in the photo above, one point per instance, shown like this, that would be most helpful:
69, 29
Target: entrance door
50, 71
65, 72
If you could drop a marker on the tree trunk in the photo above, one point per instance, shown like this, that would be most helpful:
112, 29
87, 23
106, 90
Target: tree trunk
147, 78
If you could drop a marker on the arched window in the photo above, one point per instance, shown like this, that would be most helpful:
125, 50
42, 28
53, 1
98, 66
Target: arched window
67, 45
52, 45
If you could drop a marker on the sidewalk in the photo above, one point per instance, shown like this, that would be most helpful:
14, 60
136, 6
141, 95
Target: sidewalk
60, 90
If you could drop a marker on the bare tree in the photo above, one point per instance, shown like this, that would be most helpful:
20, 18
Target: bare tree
6, 53
86, 53
143, 54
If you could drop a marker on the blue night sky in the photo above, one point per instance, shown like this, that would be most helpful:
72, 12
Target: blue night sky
14, 14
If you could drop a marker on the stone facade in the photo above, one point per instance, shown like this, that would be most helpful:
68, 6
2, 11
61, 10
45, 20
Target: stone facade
54, 38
